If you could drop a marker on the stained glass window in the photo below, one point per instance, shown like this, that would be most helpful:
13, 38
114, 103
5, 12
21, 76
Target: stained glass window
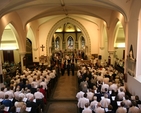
70, 42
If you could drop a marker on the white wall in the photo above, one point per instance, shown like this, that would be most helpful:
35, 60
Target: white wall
91, 28
93, 32
133, 85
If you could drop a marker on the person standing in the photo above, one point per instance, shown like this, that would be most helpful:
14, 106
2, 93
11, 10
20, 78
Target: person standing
32, 104
134, 108
39, 99
82, 101
72, 68
99, 109
62, 68
87, 109
7, 103
121, 108
68, 68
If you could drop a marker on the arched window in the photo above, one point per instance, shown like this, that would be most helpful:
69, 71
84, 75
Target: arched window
82, 42
57, 43
70, 42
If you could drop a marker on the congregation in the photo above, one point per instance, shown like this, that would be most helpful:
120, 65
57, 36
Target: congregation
27, 92
103, 90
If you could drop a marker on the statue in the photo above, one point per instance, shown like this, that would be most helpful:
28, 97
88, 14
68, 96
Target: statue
131, 55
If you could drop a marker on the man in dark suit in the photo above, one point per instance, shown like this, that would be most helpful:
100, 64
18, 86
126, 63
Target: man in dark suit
68, 68
33, 90
72, 68
32, 104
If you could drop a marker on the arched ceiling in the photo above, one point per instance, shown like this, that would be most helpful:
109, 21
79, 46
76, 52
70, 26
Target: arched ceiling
45, 10
68, 27
30, 10
8, 41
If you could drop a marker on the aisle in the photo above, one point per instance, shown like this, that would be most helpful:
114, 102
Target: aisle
66, 88
63, 99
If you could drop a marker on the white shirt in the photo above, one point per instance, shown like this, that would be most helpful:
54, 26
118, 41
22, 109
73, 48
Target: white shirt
87, 110
99, 110
16, 94
22, 95
1, 94
38, 95
105, 102
52, 75
104, 86
127, 103
30, 79
44, 84
90, 95
113, 87
82, 101
121, 95
134, 109
35, 84
121, 110
79, 94
29, 96
10, 93
93, 105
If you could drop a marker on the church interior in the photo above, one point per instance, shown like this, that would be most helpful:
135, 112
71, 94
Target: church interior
46, 33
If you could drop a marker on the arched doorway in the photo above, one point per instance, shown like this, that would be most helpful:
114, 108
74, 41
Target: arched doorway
9, 46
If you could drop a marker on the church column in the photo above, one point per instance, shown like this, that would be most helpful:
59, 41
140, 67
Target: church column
101, 42
111, 57
126, 47
101, 33
23, 60
50, 50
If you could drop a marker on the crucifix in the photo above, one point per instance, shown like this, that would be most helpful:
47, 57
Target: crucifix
42, 47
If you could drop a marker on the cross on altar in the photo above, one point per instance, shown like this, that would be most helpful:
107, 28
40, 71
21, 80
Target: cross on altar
42, 47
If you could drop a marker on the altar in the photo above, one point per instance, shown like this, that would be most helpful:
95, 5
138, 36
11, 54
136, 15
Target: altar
69, 52
43, 60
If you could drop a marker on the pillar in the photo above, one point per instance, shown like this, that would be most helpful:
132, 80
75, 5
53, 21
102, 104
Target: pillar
126, 47
22, 57
111, 57
50, 51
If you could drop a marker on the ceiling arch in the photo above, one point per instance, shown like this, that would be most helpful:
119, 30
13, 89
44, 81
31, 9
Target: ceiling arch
44, 8
63, 21
119, 36
9, 40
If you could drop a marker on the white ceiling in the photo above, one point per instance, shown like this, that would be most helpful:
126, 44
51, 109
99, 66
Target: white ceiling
45, 10
30, 10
